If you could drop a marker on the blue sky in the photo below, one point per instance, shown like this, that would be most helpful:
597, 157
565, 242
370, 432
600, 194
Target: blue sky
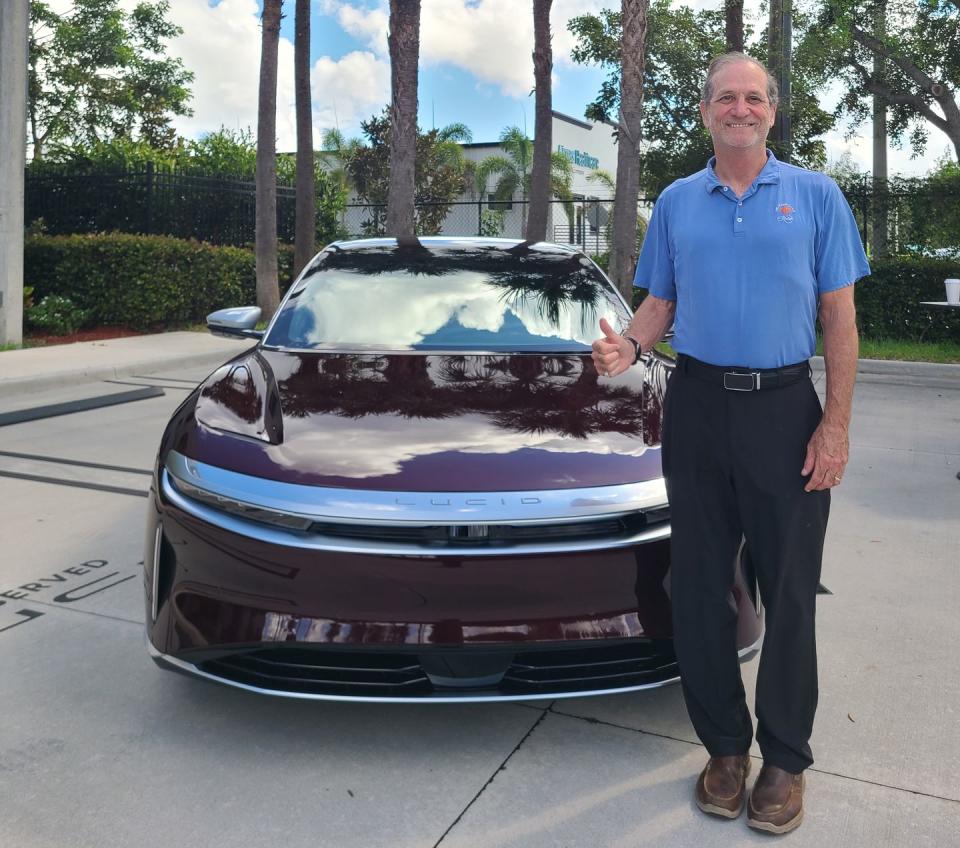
449, 94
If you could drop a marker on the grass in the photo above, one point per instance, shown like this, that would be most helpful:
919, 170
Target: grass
897, 349
4, 347
905, 351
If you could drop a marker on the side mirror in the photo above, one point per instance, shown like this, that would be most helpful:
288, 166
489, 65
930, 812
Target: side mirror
237, 322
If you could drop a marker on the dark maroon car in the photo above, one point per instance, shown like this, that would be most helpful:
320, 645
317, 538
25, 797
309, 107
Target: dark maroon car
415, 487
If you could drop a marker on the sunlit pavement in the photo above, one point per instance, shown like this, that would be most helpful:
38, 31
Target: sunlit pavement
99, 748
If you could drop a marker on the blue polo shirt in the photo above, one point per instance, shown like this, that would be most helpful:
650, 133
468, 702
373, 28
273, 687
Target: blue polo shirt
747, 272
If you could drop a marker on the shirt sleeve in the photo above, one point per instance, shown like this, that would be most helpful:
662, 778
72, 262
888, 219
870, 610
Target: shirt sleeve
840, 260
655, 266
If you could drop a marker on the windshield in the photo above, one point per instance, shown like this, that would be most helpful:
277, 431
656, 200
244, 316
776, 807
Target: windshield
453, 297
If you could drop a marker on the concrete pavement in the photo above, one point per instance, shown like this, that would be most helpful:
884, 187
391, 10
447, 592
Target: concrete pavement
100, 749
54, 366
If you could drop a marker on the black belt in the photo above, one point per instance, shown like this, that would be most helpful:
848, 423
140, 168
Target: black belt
736, 379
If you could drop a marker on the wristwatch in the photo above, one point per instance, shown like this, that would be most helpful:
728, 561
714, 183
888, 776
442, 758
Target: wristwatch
636, 348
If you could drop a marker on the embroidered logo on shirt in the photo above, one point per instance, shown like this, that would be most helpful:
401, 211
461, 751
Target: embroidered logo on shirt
785, 215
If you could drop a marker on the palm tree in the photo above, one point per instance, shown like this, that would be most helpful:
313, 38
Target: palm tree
605, 178
623, 251
513, 173
536, 229
335, 156
306, 211
268, 290
404, 41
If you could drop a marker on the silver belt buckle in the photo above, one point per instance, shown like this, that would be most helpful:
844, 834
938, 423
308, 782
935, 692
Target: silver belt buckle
736, 382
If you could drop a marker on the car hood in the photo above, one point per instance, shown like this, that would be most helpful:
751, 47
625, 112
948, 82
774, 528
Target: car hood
428, 422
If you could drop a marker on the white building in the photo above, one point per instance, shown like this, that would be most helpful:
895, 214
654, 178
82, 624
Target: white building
588, 145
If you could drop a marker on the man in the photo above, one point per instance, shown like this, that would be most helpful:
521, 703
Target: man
743, 257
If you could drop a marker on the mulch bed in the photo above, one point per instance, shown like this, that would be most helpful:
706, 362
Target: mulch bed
97, 334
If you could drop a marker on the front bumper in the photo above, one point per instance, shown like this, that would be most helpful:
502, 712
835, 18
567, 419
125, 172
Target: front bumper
231, 602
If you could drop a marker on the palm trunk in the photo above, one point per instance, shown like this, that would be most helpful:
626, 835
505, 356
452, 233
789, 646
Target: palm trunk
879, 224
623, 251
536, 229
268, 291
306, 189
733, 19
404, 42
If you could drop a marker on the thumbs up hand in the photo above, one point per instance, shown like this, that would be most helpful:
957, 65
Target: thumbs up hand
613, 354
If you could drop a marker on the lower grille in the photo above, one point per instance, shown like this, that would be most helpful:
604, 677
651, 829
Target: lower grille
643, 662
323, 672
477, 672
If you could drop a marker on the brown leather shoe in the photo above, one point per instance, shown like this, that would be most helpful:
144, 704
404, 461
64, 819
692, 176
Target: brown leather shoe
721, 786
776, 803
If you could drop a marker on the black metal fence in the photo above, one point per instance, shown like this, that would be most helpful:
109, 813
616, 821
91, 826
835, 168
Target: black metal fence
584, 223
924, 220
213, 208
221, 209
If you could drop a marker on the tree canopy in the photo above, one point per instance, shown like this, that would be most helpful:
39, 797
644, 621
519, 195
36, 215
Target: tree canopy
680, 44
98, 72
920, 78
439, 174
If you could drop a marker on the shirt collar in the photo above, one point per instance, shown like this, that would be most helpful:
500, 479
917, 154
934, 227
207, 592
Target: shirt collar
768, 175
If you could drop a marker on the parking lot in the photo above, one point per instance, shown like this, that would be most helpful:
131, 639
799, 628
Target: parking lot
99, 748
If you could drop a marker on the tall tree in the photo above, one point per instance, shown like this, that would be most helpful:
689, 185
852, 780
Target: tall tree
733, 24
543, 128
680, 44
880, 222
404, 42
265, 237
98, 72
623, 251
921, 74
306, 202
780, 64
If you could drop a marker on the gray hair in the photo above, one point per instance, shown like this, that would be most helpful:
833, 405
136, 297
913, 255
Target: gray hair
721, 62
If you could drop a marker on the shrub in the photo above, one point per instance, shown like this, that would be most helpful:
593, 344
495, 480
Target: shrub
888, 301
143, 281
57, 315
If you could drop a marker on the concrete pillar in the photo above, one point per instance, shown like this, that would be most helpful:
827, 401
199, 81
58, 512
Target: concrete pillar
14, 18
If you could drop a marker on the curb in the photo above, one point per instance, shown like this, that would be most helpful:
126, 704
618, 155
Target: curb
93, 374
895, 368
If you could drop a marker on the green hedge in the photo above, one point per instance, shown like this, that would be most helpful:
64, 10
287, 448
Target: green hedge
888, 301
144, 281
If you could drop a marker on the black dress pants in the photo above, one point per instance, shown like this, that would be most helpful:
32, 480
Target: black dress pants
732, 463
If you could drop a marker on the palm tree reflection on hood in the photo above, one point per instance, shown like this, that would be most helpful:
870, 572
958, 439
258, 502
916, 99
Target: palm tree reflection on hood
523, 394
527, 393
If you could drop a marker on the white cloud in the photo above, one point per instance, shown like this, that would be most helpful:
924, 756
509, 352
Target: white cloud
367, 25
221, 45
349, 90
487, 38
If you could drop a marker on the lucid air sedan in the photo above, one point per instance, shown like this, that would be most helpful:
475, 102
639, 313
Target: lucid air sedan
415, 487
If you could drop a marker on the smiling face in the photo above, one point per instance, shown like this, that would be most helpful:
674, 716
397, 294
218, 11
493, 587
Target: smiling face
739, 114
